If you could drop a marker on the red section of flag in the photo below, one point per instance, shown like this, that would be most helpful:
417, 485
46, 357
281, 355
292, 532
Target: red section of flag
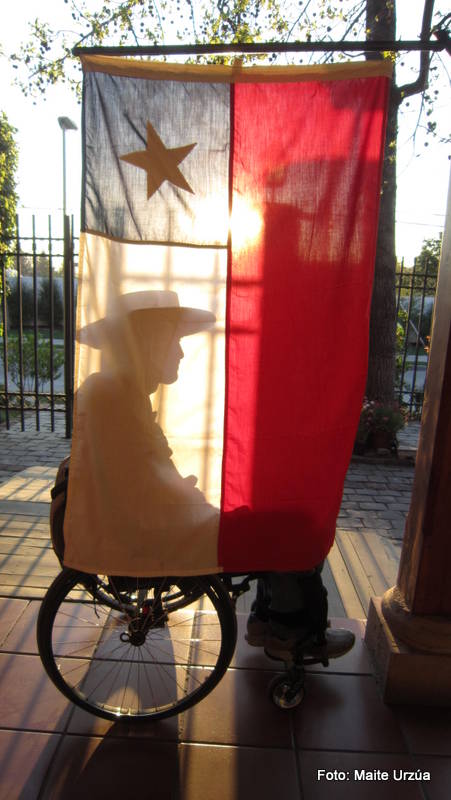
306, 165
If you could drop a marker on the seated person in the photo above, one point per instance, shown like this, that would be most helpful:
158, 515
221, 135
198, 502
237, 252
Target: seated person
140, 349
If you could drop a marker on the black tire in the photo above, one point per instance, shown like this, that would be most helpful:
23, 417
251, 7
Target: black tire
147, 654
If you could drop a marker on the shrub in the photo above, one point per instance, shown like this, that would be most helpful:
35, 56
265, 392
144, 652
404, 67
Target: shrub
28, 361
13, 305
44, 303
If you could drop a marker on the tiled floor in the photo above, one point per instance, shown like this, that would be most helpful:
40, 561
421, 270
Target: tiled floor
235, 744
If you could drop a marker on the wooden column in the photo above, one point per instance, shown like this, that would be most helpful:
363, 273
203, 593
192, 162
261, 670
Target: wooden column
409, 629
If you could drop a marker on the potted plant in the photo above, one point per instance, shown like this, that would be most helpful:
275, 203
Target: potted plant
378, 426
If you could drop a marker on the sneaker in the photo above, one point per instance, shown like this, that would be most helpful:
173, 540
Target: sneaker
338, 642
257, 630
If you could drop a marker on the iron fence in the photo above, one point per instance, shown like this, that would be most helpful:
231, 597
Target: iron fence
36, 326
415, 292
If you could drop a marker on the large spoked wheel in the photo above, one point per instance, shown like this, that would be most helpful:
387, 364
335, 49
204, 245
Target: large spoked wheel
147, 649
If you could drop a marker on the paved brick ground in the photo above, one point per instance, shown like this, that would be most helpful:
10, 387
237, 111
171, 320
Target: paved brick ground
377, 492
21, 449
377, 498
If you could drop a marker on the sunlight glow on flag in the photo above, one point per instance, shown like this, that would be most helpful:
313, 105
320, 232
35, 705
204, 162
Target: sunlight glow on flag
221, 361
246, 223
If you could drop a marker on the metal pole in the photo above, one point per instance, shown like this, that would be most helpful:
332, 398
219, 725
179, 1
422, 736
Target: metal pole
67, 124
20, 326
5, 340
266, 47
64, 173
68, 327
51, 327
35, 329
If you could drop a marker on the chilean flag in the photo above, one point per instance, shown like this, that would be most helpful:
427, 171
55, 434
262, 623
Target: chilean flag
243, 202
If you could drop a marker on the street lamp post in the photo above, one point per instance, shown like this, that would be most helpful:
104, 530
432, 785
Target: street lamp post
66, 124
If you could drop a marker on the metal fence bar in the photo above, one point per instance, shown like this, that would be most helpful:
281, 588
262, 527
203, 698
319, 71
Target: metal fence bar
31, 360
415, 285
419, 339
406, 334
5, 346
68, 324
35, 326
399, 285
74, 302
409, 322
20, 327
51, 328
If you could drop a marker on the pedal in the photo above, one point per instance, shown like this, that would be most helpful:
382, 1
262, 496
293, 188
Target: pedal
320, 659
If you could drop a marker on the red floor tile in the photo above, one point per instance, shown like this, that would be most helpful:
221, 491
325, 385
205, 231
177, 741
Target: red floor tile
29, 700
427, 730
112, 769
22, 636
238, 712
231, 773
10, 611
342, 776
344, 712
439, 785
24, 759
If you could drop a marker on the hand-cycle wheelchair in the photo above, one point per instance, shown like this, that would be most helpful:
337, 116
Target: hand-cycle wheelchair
147, 648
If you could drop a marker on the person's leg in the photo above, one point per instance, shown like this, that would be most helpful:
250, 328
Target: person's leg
263, 597
288, 603
258, 620
298, 604
296, 613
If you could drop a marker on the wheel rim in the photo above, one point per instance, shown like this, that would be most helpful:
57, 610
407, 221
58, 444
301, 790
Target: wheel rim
152, 653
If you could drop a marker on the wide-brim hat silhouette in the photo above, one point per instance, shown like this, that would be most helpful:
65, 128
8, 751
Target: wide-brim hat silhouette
151, 307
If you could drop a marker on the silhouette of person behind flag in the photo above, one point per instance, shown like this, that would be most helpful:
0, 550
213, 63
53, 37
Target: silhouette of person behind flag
157, 518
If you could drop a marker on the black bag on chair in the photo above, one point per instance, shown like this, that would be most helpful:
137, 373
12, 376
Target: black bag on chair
58, 508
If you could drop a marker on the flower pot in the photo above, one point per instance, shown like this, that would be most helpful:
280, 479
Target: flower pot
360, 447
382, 440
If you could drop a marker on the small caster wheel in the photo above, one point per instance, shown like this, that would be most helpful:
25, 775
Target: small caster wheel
285, 693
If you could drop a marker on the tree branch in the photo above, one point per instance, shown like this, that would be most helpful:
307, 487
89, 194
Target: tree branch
193, 19
359, 13
421, 83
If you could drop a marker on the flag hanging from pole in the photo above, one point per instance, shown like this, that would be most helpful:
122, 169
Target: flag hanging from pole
227, 251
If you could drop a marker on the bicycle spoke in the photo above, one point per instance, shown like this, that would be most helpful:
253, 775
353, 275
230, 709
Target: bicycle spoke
148, 651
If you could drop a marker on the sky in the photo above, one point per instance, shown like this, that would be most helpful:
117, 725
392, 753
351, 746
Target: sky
423, 171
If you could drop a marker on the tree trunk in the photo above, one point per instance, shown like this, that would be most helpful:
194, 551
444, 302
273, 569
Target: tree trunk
381, 365
381, 24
